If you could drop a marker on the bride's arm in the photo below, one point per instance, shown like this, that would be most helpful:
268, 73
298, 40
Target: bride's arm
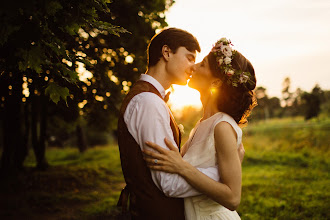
227, 192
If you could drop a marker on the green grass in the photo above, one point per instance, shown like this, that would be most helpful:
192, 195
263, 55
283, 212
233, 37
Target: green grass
285, 176
76, 186
286, 170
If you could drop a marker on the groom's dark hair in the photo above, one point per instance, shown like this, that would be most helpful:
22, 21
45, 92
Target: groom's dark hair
173, 38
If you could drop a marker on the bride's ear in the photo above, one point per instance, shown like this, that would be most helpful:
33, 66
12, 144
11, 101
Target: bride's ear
216, 83
166, 52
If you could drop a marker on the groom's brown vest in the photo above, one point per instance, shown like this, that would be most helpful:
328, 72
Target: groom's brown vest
146, 200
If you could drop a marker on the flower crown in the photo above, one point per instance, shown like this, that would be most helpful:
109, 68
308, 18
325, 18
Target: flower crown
224, 55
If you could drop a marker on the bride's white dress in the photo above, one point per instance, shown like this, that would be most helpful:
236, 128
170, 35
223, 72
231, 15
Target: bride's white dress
201, 153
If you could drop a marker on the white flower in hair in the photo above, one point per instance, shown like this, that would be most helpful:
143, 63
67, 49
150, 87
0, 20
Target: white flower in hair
224, 56
230, 72
226, 50
220, 61
227, 60
243, 78
217, 46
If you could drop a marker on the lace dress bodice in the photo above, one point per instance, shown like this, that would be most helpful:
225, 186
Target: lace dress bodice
201, 153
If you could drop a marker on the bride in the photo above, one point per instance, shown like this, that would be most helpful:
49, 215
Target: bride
225, 80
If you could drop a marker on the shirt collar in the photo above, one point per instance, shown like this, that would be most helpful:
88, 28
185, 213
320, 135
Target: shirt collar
154, 82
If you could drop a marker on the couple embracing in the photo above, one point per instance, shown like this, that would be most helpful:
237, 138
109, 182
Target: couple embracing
201, 179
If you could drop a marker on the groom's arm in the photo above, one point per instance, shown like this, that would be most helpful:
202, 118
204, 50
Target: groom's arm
147, 119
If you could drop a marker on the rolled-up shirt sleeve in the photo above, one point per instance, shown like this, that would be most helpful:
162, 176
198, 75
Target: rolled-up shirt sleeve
147, 119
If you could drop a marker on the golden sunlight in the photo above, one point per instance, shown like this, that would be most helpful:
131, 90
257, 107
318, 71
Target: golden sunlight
183, 96
276, 45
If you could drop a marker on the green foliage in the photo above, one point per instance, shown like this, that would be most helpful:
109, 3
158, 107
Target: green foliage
32, 58
107, 60
37, 35
267, 107
109, 28
291, 134
299, 103
56, 92
312, 102
42, 47
285, 170
325, 106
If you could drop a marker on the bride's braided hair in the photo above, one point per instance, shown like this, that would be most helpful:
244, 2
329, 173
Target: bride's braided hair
239, 99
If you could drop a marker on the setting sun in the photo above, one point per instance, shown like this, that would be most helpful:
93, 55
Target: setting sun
182, 96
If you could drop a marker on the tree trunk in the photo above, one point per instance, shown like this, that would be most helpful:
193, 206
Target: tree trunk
39, 126
43, 131
13, 154
81, 139
266, 111
26, 131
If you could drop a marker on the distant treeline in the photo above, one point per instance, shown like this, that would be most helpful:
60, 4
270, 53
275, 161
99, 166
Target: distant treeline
298, 103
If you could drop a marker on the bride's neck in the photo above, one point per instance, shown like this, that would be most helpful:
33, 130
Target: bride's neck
209, 105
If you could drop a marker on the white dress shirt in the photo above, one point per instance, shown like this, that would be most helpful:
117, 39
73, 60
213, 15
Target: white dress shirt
147, 119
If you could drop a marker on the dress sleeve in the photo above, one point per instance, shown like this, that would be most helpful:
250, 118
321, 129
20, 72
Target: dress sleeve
147, 119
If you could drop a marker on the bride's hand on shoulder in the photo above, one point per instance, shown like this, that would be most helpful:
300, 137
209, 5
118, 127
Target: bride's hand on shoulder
169, 161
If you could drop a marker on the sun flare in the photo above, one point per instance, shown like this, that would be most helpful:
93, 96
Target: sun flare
182, 96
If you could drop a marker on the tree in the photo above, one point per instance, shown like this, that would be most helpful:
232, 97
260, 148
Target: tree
297, 107
313, 102
325, 106
118, 62
38, 52
274, 104
114, 64
267, 107
262, 102
286, 94
43, 46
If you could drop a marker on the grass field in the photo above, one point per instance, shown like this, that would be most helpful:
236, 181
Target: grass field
76, 186
285, 176
286, 170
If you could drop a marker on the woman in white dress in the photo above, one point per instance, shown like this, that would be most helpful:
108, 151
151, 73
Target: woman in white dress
225, 80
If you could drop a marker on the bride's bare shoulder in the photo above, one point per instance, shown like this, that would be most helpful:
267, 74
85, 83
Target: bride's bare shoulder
224, 132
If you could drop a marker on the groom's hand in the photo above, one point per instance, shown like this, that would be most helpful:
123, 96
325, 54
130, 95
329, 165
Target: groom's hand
241, 152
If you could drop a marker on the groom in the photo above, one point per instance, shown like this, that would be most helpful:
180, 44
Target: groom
144, 116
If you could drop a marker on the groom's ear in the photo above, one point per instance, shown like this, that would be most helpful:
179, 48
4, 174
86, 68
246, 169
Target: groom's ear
166, 52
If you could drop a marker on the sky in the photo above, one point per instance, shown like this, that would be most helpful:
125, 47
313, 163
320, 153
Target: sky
281, 38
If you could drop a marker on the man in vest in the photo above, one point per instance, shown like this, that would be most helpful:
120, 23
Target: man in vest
144, 116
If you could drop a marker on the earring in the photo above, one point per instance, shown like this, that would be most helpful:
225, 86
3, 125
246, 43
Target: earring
213, 90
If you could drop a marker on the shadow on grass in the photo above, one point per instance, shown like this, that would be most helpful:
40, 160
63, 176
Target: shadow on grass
76, 186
